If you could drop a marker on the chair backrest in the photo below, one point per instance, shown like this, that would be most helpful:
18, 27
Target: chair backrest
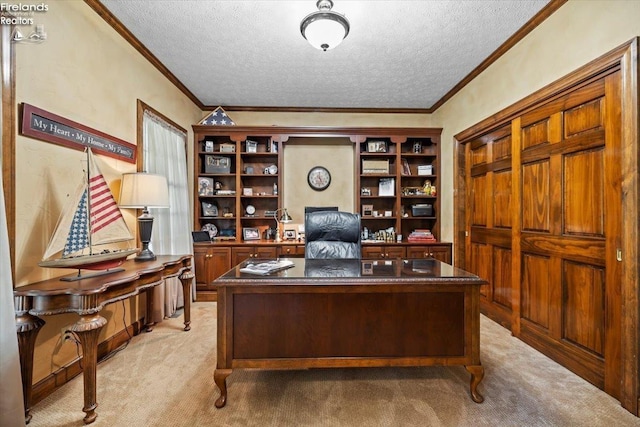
332, 235
309, 209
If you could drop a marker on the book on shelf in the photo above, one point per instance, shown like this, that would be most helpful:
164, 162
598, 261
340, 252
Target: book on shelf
267, 267
421, 235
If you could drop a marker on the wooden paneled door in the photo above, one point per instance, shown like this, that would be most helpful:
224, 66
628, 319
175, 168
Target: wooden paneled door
490, 220
547, 212
569, 229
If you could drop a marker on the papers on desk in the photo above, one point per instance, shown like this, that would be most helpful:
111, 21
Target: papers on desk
267, 267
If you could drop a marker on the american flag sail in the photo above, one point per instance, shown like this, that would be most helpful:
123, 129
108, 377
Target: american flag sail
107, 223
92, 217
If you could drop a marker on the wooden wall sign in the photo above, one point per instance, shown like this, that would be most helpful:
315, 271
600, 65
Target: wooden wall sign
49, 127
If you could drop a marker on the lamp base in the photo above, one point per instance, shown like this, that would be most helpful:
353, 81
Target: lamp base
145, 255
145, 225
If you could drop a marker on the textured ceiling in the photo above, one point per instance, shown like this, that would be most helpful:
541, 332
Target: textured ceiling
399, 54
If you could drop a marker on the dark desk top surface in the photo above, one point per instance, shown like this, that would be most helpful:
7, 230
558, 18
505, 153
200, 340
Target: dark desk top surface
356, 271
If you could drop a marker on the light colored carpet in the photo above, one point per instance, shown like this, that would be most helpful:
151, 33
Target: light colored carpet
165, 378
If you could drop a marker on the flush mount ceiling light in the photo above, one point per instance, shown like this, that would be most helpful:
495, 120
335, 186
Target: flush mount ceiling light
324, 29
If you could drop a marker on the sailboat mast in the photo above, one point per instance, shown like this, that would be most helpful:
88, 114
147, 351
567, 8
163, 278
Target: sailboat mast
88, 181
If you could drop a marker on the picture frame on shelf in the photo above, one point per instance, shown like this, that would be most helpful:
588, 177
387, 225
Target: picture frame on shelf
217, 164
367, 210
272, 146
377, 147
227, 148
209, 209
250, 233
417, 147
387, 187
208, 146
406, 170
251, 146
289, 234
205, 186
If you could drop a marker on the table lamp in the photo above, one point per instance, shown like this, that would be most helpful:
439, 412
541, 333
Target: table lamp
143, 191
285, 218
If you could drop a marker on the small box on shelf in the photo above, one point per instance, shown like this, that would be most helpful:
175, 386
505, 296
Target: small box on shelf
375, 166
422, 209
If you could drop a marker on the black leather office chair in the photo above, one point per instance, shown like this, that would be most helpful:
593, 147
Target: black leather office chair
309, 209
332, 235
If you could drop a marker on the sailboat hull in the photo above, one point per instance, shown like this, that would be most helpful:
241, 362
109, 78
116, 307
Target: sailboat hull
100, 261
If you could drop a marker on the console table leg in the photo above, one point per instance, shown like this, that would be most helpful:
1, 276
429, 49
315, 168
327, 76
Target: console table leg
477, 373
27, 327
149, 323
88, 330
220, 378
187, 278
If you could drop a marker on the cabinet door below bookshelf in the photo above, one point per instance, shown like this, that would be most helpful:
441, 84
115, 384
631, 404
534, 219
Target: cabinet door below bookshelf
210, 262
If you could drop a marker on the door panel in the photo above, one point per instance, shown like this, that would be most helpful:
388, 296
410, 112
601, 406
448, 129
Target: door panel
584, 193
535, 292
583, 306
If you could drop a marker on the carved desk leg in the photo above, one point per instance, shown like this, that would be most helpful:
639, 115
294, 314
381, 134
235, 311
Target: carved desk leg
27, 327
477, 373
88, 330
187, 278
220, 378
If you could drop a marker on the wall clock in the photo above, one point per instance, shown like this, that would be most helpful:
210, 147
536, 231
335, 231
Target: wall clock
319, 178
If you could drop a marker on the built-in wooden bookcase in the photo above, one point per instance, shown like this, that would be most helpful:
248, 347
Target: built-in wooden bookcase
398, 184
238, 186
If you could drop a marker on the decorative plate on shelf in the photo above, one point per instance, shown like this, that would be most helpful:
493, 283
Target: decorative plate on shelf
211, 229
319, 178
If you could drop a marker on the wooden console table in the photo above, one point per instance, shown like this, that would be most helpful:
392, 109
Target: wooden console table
349, 313
87, 297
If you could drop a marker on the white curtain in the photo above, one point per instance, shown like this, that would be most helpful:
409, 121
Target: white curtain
164, 153
11, 403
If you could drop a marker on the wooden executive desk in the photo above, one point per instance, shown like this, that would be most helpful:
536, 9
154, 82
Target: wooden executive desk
349, 313
86, 298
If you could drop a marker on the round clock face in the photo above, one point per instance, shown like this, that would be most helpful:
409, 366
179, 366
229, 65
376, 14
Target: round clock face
251, 210
319, 178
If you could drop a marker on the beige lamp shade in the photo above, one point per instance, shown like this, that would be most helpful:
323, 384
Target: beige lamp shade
144, 190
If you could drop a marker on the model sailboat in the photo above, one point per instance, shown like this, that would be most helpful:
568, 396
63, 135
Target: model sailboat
90, 219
